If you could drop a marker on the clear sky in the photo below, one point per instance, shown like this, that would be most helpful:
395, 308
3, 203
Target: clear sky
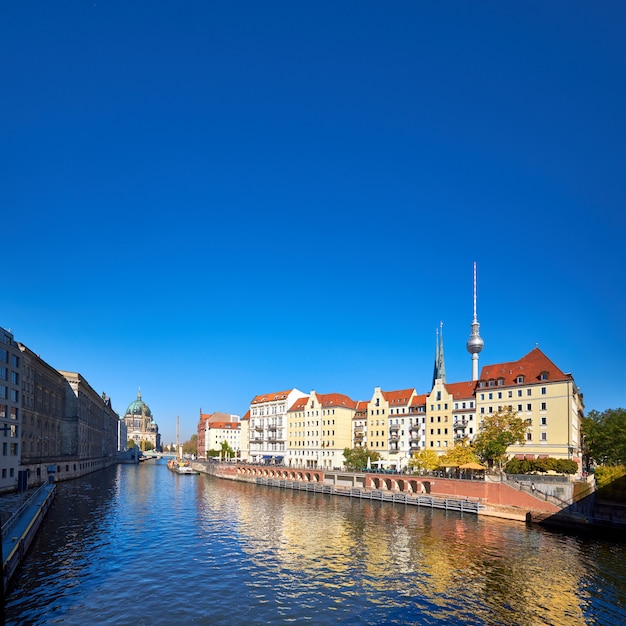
210, 200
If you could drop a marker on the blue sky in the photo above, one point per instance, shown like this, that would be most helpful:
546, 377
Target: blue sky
216, 199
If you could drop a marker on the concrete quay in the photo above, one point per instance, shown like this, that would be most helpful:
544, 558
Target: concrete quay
493, 499
21, 516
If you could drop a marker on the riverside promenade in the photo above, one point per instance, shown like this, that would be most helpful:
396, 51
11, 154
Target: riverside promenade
21, 515
494, 499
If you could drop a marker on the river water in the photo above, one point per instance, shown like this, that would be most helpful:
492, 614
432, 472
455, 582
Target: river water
140, 545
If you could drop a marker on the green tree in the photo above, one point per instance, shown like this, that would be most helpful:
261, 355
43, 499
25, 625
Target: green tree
459, 454
425, 461
191, 446
131, 444
604, 437
497, 432
226, 451
356, 458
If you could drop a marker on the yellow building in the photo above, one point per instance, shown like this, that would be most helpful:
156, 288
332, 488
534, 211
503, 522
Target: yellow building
388, 425
439, 422
544, 395
319, 428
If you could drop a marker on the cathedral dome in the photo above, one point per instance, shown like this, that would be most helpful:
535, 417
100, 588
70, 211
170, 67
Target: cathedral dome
138, 406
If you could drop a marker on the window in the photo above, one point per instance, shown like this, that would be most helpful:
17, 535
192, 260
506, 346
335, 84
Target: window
519, 393
529, 407
544, 436
544, 406
543, 391
4, 373
519, 408
544, 421
529, 392
529, 436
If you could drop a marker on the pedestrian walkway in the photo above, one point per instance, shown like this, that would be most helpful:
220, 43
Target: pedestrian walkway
22, 515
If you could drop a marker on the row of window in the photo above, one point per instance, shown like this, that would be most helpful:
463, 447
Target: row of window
4, 358
9, 394
10, 412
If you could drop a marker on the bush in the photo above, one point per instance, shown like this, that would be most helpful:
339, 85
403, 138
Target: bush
523, 466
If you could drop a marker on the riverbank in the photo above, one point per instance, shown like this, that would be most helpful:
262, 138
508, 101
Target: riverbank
20, 526
497, 499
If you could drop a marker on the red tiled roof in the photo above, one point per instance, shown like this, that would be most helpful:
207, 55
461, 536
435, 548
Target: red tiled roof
335, 399
419, 400
402, 396
461, 390
529, 366
299, 404
246, 416
224, 426
271, 397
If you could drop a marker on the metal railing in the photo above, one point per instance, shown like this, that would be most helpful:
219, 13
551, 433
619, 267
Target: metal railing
8, 525
463, 505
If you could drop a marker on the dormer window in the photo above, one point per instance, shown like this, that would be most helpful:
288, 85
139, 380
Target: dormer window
500, 382
519, 380
543, 376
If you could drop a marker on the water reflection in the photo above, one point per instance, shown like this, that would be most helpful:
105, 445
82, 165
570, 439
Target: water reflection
141, 545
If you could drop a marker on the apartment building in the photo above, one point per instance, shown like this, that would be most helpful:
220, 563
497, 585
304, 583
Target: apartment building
319, 428
268, 425
541, 393
211, 428
10, 411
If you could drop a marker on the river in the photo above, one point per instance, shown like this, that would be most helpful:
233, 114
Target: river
140, 545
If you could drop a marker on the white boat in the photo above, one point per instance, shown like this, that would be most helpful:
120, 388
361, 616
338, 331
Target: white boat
180, 466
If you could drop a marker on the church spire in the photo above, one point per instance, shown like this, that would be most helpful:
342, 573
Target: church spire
440, 364
475, 343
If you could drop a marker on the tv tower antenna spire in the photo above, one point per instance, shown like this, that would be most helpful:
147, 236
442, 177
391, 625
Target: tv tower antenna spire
475, 343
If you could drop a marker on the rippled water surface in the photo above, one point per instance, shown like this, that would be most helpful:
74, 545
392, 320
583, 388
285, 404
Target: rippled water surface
141, 545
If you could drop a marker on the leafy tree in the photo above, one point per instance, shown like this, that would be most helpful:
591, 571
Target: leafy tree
497, 432
146, 445
130, 444
191, 446
426, 460
459, 455
226, 451
604, 437
356, 458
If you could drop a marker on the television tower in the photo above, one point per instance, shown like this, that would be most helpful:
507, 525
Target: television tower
475, 343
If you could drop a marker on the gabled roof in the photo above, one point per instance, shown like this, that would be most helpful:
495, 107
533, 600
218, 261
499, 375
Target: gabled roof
530, 366
335, 399
399, 397
419, 400
299, 404
326, 400
271, 397
224, 426
246, 416
461, 391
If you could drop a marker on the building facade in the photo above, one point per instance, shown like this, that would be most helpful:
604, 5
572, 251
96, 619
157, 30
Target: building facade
268, 425
10, 411
546, 397
140, 425
216, 428
319, 428
43, 414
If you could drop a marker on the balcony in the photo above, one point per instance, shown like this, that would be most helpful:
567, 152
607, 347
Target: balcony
258, 428
460, 425
394, 438
394, 427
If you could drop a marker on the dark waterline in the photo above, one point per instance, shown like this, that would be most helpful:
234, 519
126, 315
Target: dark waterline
141, 545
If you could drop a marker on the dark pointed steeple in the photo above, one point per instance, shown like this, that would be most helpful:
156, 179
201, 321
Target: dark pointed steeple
440, 364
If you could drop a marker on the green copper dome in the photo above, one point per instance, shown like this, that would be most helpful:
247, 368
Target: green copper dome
138, 406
